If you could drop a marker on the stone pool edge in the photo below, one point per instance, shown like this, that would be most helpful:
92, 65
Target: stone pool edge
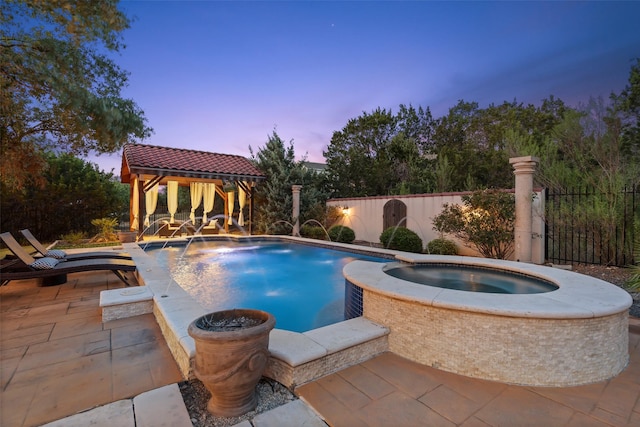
296, 358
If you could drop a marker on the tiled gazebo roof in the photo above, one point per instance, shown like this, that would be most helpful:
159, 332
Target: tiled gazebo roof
177, 162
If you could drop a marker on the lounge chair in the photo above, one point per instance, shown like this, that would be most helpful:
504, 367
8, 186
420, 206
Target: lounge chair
60, 254
175, 229
211, 228
54, 269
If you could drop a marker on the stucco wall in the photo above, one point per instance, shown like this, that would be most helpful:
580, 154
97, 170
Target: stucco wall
365, 218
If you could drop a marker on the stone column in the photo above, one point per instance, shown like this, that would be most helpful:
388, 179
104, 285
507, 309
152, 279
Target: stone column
296, 209
523, 168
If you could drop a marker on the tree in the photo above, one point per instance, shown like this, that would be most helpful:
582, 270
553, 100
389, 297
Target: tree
380, 153
627, 106
75, 193
58, 88
273, 198
473, 140
356, 161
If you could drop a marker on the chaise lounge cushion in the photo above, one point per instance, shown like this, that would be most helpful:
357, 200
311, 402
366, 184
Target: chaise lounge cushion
56, 253
44, 263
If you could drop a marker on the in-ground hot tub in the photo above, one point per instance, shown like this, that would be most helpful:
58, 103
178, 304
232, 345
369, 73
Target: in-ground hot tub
574, 334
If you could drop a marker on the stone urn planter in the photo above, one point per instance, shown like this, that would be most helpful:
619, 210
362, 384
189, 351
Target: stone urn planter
232, 350
127, 236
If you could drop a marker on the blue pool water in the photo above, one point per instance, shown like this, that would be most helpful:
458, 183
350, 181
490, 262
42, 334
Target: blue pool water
302, 286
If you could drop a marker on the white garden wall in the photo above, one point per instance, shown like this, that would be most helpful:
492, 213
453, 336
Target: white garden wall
366, 215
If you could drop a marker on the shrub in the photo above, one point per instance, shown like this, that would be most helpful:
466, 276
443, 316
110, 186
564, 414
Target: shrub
484, 222
106, 229
342, 234
633, 284
442, 247
313, 232
401, 239
74, 238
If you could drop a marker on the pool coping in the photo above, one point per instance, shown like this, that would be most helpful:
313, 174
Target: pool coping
296, 358
577, 297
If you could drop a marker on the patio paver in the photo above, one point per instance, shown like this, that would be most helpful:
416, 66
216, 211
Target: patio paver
391, 390
58, 358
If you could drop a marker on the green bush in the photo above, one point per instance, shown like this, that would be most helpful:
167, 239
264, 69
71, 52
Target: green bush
633, 284
401, 239
442, 247
342, 234
313, 232
106, 229
484, 222
74, 238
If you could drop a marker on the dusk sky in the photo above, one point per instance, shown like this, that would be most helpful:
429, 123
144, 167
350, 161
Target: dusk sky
221, 76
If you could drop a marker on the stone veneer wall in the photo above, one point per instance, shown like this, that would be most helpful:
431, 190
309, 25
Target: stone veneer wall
294, 376
279, 370
183, 359
126, 310
525, 351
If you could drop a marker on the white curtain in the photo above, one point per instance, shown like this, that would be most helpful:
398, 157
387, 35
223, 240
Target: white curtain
195, 190
150, 203
242, 199
172, 199
209, 198
135, 206
230, 201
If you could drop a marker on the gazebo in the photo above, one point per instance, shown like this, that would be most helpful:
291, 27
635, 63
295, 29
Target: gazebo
145, 167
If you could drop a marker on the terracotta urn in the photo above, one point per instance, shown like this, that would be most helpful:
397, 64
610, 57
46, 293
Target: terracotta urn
127, 236
232, 350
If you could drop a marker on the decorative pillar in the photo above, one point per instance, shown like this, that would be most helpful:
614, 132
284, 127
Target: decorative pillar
296, 209
523, 169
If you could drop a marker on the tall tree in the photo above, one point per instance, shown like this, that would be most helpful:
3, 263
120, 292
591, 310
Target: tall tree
59, 89
627, 107
356, 158
273, 198
381, 153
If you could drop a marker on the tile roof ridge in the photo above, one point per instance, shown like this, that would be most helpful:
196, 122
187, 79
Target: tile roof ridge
186, 149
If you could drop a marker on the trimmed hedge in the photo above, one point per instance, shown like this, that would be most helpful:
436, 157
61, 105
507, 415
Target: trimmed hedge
401, 239
442, 247
313, 232
342, 234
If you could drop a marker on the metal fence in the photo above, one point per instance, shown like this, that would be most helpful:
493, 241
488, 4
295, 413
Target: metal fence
585, 226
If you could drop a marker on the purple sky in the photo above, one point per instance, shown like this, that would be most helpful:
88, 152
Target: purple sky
221, 76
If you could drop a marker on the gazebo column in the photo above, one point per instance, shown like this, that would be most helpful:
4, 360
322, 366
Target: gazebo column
524, 168
141, 197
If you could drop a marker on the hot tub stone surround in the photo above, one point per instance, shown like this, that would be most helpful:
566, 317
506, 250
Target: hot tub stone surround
577, 334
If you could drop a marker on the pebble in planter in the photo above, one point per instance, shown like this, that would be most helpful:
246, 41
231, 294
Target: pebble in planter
232, 350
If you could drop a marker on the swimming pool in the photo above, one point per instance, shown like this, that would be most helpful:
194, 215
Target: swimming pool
301, 285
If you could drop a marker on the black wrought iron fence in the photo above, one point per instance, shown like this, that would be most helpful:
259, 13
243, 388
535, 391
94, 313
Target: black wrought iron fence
590, 227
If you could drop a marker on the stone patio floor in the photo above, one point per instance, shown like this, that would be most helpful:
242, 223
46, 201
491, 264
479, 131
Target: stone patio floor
57, 358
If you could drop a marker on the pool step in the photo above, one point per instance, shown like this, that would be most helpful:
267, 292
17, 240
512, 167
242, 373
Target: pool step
125, 302
300, 358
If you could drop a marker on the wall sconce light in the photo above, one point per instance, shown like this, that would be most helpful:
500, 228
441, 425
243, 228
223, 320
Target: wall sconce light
345, 210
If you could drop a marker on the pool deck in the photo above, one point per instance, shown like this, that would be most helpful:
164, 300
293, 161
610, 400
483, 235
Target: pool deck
58, 359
